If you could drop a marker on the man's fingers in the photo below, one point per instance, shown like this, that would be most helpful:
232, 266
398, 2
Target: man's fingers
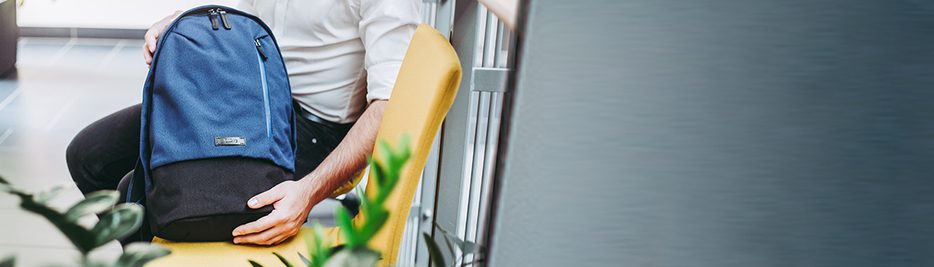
151, 38
147, 55
266, 198
261, 238
274, 236
149, 46
264, 223
269, 237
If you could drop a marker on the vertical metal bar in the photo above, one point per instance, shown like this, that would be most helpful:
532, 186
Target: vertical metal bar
481, 37
501, 44
433, 14
489, 51
426, 12
444, 17
479, 177
496, 112
479, 153
467, 173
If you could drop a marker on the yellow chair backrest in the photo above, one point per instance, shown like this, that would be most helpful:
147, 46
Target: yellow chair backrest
421, 97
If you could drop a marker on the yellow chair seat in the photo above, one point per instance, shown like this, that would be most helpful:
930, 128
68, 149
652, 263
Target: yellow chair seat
229, 254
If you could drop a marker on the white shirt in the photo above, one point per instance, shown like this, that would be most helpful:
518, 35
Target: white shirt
340, 54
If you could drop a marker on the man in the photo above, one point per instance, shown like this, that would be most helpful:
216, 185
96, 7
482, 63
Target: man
342, 56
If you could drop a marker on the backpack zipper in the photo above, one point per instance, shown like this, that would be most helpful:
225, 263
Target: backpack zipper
259, 49
211, 14
260, 58
223, 14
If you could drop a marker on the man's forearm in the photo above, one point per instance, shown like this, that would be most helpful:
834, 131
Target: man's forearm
348, 157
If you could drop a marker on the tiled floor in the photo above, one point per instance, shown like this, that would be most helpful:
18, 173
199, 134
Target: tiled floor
62, 85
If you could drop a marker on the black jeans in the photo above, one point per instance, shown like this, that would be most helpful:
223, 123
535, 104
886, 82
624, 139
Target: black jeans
105, 151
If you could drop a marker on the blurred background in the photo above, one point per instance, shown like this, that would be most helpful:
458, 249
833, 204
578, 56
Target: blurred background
66, 63
106, 14
587, 133
76, 61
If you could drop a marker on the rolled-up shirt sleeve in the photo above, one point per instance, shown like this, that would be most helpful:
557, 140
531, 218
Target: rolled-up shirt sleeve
386, 27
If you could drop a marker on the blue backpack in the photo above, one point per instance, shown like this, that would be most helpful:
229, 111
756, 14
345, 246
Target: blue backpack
218, 125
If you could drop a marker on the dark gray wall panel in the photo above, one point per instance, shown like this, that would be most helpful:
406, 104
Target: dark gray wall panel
720, 133
455, 130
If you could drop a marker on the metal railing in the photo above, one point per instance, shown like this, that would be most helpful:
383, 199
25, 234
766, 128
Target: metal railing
487, 88
484, 44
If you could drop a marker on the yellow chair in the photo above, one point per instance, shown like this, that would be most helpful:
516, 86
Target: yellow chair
423, 93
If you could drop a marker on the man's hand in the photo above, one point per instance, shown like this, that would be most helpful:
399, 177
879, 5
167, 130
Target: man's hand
291, 200
152, 35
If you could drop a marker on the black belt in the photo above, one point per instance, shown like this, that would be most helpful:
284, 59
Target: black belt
311, 117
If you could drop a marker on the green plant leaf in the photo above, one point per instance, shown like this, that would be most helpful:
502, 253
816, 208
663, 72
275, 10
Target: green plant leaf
346, 226
475, 261
470, 247
9, 188
466, 247
45, 196
93, 203
374, 216
254, 264
387, 159
358, 257
77, 234
7, 261
379, 175
138, 254
436, 257
304, 259
320, 251
120, 222
282, 259
391, 168
447, 242
4, 185
375, 219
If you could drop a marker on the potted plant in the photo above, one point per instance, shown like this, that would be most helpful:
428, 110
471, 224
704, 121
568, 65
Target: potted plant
116, 221
9, 34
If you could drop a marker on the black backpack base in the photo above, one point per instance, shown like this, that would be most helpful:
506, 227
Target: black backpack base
189, 190
209, 228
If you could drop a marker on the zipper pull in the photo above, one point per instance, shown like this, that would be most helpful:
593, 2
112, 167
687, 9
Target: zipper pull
259, 48
224, 18
211, 14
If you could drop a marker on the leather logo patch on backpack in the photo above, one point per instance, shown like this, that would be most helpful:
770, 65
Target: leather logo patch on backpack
229, 141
